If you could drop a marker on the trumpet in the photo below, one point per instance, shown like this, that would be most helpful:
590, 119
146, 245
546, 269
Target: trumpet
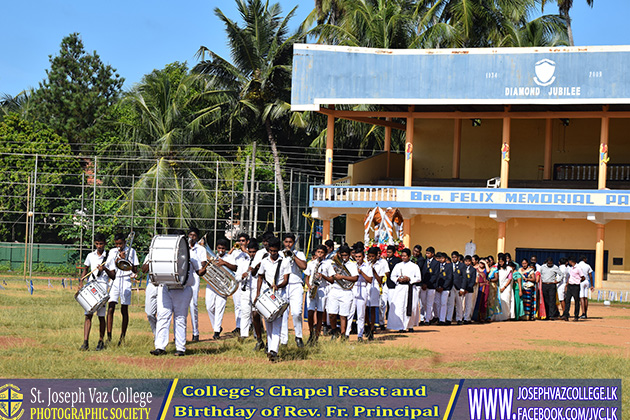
287, 253
236, 246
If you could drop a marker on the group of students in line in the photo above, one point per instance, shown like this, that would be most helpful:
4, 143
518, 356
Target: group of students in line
403, 287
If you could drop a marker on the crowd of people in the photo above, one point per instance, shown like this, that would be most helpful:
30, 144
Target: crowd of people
397, 291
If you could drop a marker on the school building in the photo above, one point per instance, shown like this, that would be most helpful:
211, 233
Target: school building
521, 150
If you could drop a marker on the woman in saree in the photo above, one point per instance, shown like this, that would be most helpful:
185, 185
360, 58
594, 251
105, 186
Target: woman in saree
506, 291
483, 288
517, 282
493, 304
528, 274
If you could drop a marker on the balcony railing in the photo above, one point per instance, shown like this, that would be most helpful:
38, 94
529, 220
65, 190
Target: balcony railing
589, 172
354, 194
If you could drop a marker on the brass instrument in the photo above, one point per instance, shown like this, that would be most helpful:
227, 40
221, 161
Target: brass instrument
124, 263
220, 278
316, 282
341, 269
287, 253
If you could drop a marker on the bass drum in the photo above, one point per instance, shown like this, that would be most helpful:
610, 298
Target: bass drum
169, 260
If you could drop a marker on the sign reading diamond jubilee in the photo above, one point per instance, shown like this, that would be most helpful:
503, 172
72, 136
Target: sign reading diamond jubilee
325, 74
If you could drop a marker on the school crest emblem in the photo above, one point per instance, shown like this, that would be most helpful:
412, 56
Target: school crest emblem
11, 402
545, 70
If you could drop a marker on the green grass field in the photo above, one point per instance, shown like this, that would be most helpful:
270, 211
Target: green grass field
40, 335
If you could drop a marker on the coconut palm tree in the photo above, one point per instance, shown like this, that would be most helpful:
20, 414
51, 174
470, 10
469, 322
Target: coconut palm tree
564, 7
160, 127
253, 91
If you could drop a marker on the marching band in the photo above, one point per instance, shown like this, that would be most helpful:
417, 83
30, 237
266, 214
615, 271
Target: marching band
335, 286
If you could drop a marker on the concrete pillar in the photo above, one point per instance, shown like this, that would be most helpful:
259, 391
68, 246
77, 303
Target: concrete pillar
505, 151
457, 146
407, 233
328, 168
501, 238
409, 149
603, 155
599, 257
325, 230
547, 175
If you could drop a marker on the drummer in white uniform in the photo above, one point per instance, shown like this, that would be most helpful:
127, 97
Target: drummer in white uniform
121, 285
293, 264
269, 274
174, 303
201, 255
215, 303
95, 261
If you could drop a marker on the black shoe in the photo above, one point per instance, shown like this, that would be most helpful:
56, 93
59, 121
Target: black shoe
441, 323
460, 322
344, 337
259, 345
370, 337
236, 331
467, 322
121, 341
583, 316
216, 335
180, 353
409, 329
564, 318
299, 342
360, 339
333, 337
273, 356
85, 346
100, 346
383, 327
157, 352
311, 340
195, 339
576, 319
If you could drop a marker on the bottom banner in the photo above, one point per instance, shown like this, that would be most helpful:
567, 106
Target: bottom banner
474, 399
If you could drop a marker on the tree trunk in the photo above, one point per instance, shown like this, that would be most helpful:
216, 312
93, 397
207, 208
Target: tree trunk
276, 168
567, 18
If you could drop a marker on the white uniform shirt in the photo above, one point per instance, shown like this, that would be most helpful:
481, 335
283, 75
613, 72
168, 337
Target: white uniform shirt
193, 267
242, 266
382, 269
268, 269
199, 253
362, 287
564, 269
291, 268
260, 255
330, 271
310, 272
131, 257
406, 269
586, 269
91, 262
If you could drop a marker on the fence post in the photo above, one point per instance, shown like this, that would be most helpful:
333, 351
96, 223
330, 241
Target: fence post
27, 225
94, 198
290, 199
30, 263
81, 218
251, 193
275, 202
245, 193
157, 182
216, 203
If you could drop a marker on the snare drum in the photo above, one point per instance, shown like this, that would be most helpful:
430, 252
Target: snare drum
92, 296
271, 306
168, 261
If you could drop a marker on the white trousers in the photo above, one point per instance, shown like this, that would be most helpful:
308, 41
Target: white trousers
382, 309
427, 297
194, 312
353, 309
440, 304
172, 304
215, 306
274, 329
236, 297
150, 305
294, 293
246, 308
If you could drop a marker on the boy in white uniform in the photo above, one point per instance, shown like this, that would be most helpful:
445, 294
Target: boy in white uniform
292, 273
380, 269
316, 289
339, 301
174, 303
407, 275
249, 282
586, 284
215, 303
562, 283
200, 254
121, 284
239, 253
362, 290
95, 261
269, 274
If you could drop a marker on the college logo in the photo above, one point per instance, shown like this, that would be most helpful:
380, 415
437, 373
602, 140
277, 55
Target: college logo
544, 72
10, 402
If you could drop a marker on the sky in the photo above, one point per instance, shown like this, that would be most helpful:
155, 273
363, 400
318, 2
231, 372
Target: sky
138, 36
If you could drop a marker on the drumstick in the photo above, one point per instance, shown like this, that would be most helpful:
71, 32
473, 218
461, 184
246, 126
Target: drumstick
88, 274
